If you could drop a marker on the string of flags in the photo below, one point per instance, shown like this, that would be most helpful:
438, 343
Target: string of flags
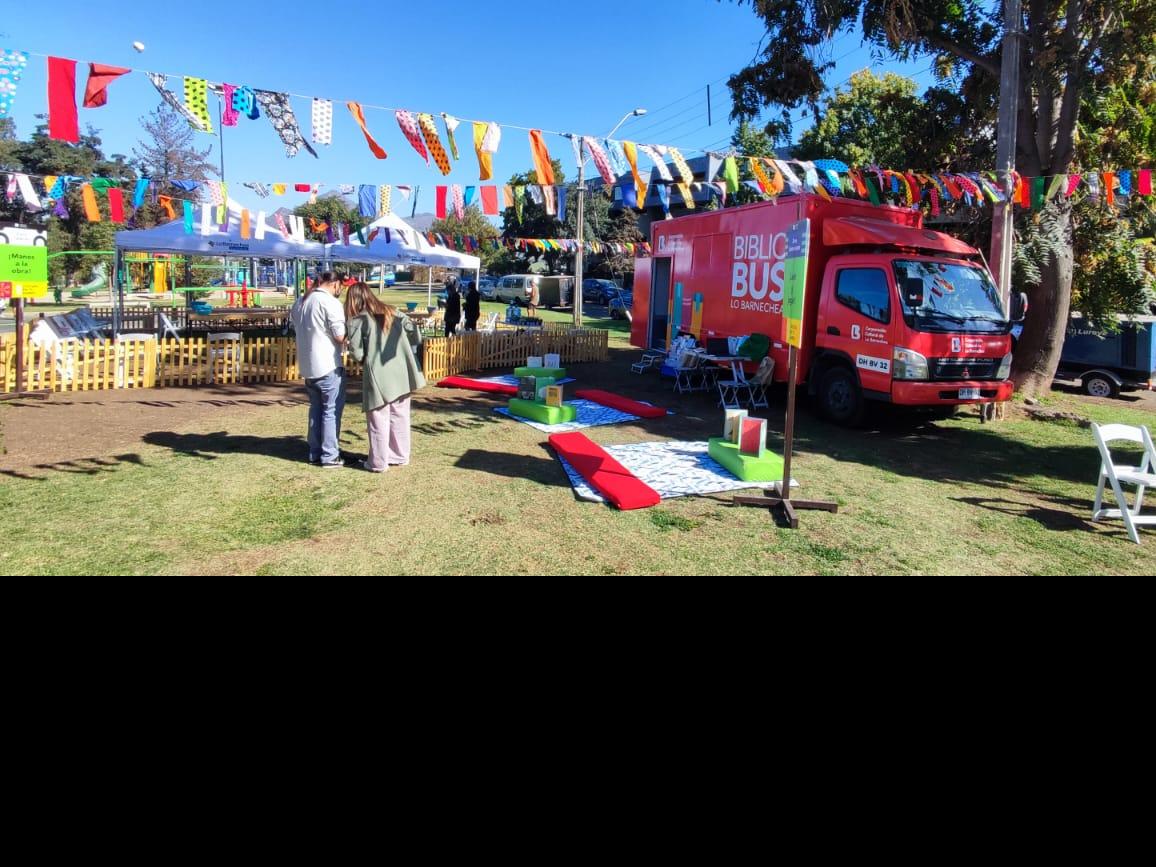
612, 158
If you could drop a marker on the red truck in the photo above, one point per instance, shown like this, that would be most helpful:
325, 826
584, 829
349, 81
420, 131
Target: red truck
893, 312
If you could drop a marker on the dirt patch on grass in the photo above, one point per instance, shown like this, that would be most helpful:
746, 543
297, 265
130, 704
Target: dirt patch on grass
94, 426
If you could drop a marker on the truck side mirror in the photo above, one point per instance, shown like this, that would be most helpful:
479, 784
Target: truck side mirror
1019, 306
913, 291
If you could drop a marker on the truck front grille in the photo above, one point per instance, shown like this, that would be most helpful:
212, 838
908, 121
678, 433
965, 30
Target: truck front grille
950, 369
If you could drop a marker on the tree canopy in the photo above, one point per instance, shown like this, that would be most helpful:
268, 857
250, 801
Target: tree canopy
1070, 50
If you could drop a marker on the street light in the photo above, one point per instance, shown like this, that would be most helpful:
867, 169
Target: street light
581, 227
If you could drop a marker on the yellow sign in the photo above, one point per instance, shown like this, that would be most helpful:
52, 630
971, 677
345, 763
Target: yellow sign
25, 269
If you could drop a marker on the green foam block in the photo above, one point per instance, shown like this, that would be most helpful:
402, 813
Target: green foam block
768, 468
555, 372
541, 413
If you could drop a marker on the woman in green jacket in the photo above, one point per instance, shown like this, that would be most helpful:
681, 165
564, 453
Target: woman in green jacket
385, 341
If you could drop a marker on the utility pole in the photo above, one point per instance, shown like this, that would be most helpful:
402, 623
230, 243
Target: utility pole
579, 254
1002, 234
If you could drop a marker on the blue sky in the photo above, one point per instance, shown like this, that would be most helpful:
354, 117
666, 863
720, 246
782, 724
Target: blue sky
553, 66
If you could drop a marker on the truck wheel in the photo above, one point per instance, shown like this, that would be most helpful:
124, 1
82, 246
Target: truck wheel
840, 397
1098, 385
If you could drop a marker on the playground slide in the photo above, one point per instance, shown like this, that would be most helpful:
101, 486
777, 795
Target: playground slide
98, 283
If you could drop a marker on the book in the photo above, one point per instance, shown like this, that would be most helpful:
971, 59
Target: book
732, 424
534, 361
553, 395
527, 388
753, 437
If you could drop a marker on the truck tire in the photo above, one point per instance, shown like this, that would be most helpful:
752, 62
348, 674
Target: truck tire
840, 397
1098, 385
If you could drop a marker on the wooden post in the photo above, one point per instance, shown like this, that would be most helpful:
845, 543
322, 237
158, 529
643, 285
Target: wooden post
18, 390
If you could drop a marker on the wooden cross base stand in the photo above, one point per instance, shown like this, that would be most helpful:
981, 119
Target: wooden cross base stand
21, 395
774, 499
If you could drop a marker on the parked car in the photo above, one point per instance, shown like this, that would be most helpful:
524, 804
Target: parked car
514, 288
596, 291
621, 304
488, 288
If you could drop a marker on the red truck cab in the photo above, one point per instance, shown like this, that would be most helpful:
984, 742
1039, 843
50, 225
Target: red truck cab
894, 312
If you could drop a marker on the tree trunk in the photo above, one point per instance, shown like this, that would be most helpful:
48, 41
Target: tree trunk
1037, 354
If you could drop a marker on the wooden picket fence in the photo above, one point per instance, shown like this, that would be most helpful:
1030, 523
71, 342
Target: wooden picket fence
96, 365
446, 356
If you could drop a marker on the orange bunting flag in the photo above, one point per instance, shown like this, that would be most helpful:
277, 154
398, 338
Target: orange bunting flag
91, 210
485, 158
425, 123
166, 202
542, 165
1110, 187
777, 182
246, 229
631, 151
760, 176
507, 196
359, 116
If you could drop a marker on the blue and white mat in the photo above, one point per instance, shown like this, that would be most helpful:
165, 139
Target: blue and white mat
590, 414
673, 469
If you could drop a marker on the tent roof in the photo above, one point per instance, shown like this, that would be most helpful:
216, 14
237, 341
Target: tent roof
172, 238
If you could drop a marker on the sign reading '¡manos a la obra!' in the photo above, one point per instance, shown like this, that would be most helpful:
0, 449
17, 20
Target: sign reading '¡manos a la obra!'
758, 272
25, 269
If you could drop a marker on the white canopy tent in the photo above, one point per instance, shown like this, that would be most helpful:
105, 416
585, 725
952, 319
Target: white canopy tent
172, 238
399, 243
265, 241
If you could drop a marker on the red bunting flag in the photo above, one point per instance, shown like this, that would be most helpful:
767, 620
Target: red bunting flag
441, 192
1144, 182
100, 76
116, 204
490, 201
63, 123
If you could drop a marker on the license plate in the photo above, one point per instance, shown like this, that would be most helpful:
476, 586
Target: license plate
969, 394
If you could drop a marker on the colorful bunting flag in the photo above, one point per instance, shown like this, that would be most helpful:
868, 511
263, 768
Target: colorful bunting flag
323, 121
229, 113
280, 113
12, 66
459, 206
1144, 182
197, 102
188, 215
452, 124
359, 116
100, 76
410, 130
629, 149
440, 193
386, 199
63, 123
88, 197
490, 201
430, 133
541, 156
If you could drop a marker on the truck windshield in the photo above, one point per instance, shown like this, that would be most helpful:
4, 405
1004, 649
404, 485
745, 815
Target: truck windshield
955, 297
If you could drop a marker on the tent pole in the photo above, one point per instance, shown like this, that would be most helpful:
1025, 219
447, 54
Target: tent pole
429, 290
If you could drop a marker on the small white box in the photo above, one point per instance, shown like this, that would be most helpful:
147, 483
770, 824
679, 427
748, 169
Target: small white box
553, 359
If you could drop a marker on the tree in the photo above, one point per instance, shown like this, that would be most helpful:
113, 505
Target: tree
1069, 48
476, 225
881, 121
536, 223
168, 154
750, 142
330, 209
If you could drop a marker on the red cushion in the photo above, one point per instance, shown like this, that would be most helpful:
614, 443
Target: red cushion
477, 385
605, 475
617, 401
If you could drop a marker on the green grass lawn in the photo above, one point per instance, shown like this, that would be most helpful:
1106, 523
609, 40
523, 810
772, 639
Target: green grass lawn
484, 495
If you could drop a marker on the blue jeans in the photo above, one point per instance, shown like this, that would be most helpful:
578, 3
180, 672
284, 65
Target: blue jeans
326, 403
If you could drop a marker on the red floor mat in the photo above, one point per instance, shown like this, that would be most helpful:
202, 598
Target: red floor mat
477, 385
612, 480
617, 401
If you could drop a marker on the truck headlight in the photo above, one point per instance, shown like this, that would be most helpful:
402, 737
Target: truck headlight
1004, 367
908, 364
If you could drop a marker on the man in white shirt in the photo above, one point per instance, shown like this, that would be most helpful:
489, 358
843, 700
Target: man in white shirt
319, 320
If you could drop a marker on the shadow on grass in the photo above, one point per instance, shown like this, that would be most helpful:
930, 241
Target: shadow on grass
545, 471
210, 446
1052, 519
80, 466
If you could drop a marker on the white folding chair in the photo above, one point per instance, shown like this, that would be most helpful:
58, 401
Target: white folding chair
730, 390
1117, 475
224, 356
650, 358
761, 380
686, 371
